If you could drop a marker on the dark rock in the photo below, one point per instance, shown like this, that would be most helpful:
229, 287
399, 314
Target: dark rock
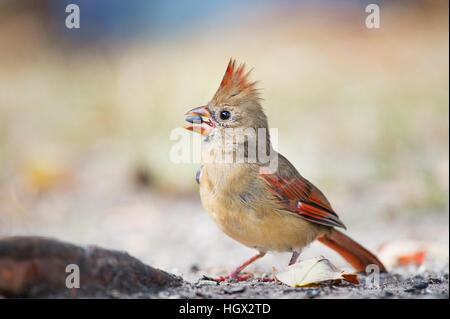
204, 277
235, 290
202, 295
434, 281
202, 283
36, 267
421, 285
410, 290
417, 287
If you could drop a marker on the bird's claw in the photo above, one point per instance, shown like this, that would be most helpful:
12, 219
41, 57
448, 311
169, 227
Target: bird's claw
267, 279
234, 277
245, 277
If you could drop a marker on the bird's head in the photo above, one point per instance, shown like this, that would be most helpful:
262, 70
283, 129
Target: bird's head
235, 105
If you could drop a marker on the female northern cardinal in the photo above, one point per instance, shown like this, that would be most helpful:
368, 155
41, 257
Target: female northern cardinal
267, 210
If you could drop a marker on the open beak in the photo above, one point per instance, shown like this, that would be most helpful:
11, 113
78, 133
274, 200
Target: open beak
200, 117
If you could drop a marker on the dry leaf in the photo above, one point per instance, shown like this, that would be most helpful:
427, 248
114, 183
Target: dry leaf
313, 271
408, 252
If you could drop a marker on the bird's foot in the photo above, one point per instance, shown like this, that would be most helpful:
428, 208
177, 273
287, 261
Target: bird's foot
266, 279
243, 278
234, 277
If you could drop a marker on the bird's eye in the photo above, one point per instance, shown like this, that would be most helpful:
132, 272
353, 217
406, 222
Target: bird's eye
225, 115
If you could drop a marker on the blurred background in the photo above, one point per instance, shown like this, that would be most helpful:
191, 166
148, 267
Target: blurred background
86, 115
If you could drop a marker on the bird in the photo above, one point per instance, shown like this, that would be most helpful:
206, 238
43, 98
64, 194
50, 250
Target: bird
270, 209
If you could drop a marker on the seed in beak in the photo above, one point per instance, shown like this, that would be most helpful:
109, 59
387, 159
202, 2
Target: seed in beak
200, 117
194, 119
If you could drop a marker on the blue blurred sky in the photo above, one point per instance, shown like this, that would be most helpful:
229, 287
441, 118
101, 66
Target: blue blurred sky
118, 20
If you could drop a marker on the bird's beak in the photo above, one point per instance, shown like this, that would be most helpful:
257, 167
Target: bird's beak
200, 117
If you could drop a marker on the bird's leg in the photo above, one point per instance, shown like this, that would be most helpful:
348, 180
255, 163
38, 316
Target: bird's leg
235, 273
294, 257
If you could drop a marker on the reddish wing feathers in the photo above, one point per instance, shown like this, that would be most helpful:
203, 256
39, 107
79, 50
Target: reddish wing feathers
318, 215
303, 198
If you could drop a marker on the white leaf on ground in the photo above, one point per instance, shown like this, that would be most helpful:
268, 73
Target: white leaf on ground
313, 271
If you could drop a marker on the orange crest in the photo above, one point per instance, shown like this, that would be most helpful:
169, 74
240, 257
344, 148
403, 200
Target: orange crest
235, 82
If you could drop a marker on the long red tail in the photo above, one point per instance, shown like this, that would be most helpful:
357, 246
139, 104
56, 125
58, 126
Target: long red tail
358, 256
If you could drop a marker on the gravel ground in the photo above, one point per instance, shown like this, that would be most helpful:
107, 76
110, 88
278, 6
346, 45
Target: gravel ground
396, 284
175, 234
